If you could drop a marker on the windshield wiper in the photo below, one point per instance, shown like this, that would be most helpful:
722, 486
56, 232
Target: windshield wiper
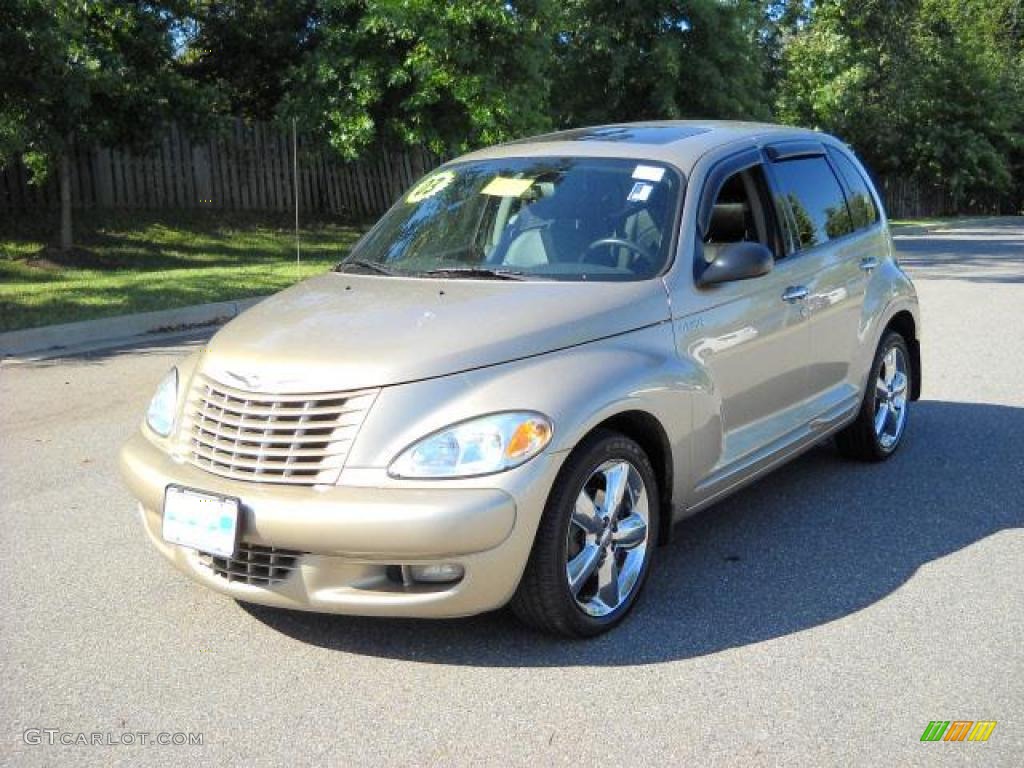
479, 273
372, 266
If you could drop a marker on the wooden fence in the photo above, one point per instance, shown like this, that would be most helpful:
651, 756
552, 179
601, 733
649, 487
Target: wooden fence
915, 199
248, 167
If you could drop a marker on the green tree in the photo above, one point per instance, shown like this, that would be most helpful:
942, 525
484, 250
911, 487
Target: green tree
248, 49
847, 71
921, 88
448, 74
781, 21
618, 60
84, 71
968, 99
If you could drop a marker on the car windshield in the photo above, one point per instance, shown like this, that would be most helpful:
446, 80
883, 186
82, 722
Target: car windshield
520, 218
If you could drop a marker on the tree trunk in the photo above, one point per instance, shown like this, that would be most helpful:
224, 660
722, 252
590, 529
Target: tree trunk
65, 199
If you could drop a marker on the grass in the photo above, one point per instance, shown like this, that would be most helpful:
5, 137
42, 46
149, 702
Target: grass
127, 262
141, 261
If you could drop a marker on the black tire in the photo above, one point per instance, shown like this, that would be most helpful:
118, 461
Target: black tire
543, 599
860, 440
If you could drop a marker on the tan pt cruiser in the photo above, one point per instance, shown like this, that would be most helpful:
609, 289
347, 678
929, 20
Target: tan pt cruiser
544, 355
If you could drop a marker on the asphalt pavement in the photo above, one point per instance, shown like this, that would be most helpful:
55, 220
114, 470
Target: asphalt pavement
821, 617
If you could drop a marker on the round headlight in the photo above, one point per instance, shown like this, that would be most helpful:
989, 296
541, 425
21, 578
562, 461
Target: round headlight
160, 415
480, 446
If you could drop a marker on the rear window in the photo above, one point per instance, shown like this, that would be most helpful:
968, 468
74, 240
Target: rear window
862, 204
816, 199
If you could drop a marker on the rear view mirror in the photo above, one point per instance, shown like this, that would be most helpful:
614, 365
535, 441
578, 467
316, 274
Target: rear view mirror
737, 261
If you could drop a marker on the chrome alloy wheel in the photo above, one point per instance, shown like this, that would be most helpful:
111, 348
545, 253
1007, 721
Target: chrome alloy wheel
891, 398
607, 538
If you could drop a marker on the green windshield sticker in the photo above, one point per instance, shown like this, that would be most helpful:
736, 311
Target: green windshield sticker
430, 186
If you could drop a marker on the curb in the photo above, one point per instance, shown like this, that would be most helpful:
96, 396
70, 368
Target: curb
911, 230
115, 331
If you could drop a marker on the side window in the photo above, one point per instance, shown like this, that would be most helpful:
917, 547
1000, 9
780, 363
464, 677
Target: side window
862, 204
740, 214
816, 199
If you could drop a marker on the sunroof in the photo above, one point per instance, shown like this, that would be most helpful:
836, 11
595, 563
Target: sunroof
627, 134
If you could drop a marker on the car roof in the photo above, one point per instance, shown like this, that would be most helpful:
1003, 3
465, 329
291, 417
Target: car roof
678, 142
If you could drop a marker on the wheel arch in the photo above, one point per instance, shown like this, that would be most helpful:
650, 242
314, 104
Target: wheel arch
904, 324
649, 433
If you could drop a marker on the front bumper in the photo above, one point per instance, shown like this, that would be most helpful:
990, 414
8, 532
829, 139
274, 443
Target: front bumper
349, 536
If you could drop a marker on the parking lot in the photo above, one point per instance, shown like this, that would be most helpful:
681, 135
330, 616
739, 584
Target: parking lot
821, 617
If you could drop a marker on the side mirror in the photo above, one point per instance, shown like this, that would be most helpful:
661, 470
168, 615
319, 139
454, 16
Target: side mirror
737, 261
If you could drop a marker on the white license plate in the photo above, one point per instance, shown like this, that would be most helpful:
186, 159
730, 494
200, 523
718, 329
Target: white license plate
201, 521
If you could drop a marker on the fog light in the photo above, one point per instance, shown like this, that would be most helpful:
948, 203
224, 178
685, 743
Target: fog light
436, 574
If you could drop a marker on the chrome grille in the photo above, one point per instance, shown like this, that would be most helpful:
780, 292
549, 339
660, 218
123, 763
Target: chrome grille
254, 564
301, 439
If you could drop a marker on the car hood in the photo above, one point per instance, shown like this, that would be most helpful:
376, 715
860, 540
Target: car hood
338, 332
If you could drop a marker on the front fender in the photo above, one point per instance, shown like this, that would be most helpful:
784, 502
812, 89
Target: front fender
578, 388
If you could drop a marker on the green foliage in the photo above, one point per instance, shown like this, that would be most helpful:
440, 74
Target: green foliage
87, 71
247, 50
923, 88
622, 60
781, 21
450, 75
926, 88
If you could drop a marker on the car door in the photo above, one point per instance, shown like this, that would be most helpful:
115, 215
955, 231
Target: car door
750, 336
838, 256
838, 342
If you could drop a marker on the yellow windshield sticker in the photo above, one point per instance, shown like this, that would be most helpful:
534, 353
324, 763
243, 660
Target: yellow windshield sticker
502, 187
430, 186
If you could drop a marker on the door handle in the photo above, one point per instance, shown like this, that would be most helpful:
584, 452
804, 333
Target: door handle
868, 263
794, 294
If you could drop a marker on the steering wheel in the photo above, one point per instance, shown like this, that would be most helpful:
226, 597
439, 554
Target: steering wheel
618, 242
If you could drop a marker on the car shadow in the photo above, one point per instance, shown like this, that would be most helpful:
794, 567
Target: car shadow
815, 541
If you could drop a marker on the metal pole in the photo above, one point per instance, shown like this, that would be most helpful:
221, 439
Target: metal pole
295, 176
